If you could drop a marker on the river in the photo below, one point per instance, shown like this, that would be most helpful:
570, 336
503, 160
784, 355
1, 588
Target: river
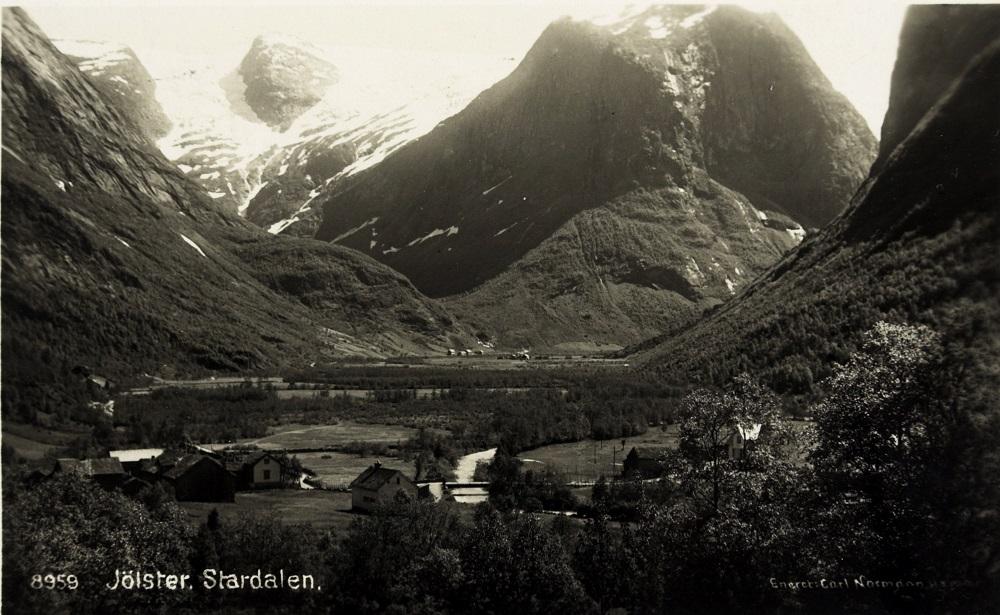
465, 472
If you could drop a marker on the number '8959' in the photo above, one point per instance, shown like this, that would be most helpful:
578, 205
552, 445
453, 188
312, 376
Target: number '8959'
54, 581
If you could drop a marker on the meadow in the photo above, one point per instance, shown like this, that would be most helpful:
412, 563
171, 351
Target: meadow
587, 460
301, 436
317, 508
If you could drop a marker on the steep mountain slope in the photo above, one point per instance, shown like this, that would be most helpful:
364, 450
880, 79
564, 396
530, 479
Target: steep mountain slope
628, 270
118, 74
678, 102
919, 242
283, 78
112, 259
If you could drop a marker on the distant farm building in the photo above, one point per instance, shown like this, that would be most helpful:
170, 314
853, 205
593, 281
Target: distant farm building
132, 459
197, 478
378, 486
644, 462
742, 440
104, 471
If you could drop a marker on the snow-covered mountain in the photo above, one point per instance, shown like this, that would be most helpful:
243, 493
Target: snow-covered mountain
373, 101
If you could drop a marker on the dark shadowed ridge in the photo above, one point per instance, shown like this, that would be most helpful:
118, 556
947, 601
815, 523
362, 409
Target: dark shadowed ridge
919, 242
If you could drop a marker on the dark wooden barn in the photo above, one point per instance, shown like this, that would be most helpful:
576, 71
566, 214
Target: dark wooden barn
198, 478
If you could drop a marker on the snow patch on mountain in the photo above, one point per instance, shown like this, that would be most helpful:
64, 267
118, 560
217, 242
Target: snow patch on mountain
100, 55
693, 20
350, 232
447, 232
188, 241
492, 188
656, 28
504, 230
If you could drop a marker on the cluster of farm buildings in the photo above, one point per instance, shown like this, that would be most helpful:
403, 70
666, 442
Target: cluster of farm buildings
190, 474
196, 474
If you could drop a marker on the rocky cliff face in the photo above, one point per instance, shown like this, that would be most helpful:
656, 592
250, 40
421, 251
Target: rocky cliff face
689, 104
917, 244
114, 260
934, 49
773, 127
118, 74
283, 78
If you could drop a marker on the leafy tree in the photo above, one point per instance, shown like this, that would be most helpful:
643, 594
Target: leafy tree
710, 418
69, 525
513, 565
902, 444
383, 559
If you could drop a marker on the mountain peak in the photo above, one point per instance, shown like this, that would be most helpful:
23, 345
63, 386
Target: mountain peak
284, 77
273, 38
641, 168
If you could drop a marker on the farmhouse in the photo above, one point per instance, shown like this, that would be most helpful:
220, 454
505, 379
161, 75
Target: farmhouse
106, 472
378, 486
644, 462
261, 470
742, 440
131, 459
197, 478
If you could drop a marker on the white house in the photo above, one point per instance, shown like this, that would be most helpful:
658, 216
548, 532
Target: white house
378, 486
741, 439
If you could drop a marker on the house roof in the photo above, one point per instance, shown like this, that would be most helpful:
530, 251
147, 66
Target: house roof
186, 463
257, 456
104, 466
376, 476
136, 454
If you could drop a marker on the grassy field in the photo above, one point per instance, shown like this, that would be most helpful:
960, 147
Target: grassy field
336, 469
319, 509
588, 459
322, 509
296, 435
33, 442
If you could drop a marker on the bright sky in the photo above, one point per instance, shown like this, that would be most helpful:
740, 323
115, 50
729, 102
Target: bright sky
853, 41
